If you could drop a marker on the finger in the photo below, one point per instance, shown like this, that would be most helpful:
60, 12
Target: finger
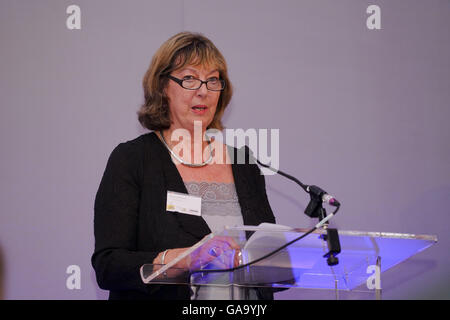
214, 263
229, 241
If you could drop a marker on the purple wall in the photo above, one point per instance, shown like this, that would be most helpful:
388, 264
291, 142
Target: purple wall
362, 113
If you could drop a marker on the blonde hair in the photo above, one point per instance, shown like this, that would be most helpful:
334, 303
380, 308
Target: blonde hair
180, 50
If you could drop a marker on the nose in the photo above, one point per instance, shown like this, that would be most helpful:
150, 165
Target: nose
202, 91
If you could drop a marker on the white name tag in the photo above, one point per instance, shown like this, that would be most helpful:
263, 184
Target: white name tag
184, 203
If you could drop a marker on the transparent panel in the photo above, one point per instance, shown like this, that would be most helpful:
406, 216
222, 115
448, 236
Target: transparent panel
300, 265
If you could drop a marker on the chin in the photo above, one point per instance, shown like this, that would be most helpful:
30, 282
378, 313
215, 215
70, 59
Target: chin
205, 123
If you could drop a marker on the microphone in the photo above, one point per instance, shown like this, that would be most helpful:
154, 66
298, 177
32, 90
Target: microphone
313, 210
322, 194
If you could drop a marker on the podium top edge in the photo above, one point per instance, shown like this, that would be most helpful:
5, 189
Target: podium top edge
372, 234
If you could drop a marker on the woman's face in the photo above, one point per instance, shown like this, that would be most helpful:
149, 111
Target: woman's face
187, 106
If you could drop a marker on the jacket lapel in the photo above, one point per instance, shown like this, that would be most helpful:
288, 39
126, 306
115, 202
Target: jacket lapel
194, 225
244, 186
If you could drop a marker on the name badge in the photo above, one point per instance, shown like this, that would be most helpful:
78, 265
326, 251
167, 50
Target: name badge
184, 203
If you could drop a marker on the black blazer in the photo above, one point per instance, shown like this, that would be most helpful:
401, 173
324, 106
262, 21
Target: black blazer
131, 225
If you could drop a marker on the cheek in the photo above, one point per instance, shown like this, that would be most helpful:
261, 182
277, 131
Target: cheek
215, 100
180, 100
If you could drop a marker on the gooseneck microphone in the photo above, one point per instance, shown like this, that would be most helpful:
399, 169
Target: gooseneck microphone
328, 199
315, 192
316, 210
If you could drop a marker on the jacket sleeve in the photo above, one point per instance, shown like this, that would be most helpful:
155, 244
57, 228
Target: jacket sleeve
116, 260
265, 205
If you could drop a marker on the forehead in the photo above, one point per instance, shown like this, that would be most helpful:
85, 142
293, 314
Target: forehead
197, 62
197, 69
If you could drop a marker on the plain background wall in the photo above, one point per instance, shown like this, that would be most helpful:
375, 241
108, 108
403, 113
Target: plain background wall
362, 113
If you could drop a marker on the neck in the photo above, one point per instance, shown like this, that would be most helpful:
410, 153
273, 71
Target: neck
190, 145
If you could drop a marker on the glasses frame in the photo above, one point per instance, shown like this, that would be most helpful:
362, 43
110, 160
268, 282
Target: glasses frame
180, 82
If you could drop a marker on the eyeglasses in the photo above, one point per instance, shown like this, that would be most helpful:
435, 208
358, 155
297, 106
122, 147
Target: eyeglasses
191, 83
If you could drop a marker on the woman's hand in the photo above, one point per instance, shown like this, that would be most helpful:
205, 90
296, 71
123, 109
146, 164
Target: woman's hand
220, 252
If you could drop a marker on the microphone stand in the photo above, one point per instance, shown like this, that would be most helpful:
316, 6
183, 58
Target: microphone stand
315, 209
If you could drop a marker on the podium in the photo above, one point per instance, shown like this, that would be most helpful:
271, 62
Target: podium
300, 266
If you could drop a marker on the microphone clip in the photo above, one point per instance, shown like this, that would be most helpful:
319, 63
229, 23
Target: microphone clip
315, 208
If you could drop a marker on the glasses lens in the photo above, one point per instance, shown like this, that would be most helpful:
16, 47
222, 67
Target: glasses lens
212, 84
191, 83
215, 84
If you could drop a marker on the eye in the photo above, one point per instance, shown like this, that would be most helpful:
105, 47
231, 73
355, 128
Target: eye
213, 79
188, 77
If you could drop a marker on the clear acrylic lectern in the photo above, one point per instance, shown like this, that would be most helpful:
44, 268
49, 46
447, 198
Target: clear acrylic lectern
364, 257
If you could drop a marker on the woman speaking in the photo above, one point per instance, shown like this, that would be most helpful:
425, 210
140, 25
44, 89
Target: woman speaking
187, 90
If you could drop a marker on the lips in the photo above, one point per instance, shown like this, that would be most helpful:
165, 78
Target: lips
199, 109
